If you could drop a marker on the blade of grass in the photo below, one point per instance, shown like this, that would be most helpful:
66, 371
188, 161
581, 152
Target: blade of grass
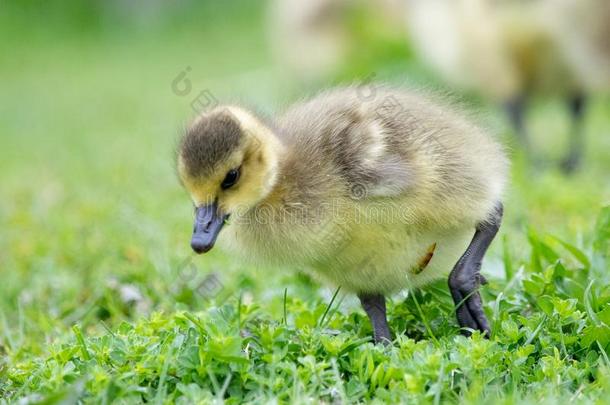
506, 257
285, 312
439, 384
588, 306
604, 354
321, 320
161, 387
239, 301
332, 312
531, 338
576, 252
225, 385
81, 342
424, 320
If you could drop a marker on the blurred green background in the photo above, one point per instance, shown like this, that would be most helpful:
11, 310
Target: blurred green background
90, 205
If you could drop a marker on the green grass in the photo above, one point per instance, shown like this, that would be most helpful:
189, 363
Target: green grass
102, 301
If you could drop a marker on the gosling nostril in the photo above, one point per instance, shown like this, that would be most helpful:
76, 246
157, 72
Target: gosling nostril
205, 227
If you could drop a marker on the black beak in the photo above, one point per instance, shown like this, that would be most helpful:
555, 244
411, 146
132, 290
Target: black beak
208, 223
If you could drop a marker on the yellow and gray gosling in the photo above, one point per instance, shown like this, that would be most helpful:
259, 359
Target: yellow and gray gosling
374, 190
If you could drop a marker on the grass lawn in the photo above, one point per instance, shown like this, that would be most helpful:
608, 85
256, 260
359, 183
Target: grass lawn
101, 299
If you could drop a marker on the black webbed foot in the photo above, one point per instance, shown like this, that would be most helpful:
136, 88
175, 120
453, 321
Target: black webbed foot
464, 284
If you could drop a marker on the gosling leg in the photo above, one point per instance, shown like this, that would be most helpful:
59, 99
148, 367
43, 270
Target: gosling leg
465, 278
374, 306
571, 162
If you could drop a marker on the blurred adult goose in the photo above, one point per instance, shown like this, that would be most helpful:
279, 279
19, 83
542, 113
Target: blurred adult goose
372, 188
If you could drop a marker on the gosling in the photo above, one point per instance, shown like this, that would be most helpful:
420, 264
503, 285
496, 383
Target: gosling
511, 50
373, 189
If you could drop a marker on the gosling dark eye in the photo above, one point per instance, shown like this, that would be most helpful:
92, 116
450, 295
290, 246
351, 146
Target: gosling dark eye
230, 179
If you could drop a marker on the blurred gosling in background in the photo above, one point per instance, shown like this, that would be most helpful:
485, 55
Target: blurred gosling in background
509, 50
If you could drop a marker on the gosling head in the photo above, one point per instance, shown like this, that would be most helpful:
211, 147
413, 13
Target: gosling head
228, 162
